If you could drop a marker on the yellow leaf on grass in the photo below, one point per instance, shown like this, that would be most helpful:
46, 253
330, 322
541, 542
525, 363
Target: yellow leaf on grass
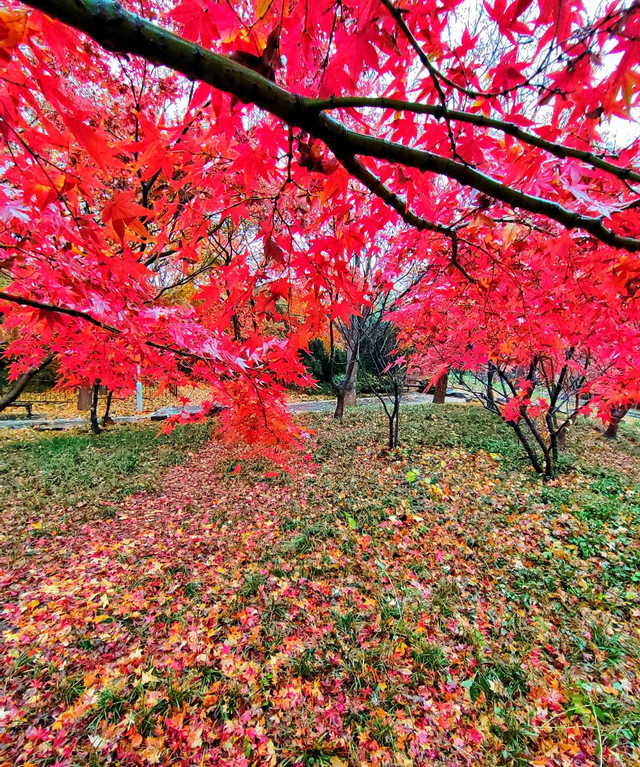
153, 750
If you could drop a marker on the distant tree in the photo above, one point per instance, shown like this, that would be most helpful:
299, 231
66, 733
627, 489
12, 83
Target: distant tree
616, 416
387, 372
345, 383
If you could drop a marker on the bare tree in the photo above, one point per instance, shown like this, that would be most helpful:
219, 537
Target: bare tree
352, 331
345, 386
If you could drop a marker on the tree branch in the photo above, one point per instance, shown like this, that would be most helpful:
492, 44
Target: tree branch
433, 110
124, 32
373, 183
20, 384
436, 74
23, 301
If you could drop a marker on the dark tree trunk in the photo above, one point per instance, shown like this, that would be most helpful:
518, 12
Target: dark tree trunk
617, 414
393, 418
20, 384
95, 395
397, 426
441, 389
237, 334
351, 372
556, 438
106, 418
527, 447
612, 430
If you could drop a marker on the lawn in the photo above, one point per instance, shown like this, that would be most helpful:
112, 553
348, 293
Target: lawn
166, 602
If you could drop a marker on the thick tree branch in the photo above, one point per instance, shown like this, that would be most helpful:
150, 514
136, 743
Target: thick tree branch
433, 110
123, 32
21, 383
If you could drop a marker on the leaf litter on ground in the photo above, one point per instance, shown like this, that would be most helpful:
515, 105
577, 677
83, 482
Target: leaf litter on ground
438, 605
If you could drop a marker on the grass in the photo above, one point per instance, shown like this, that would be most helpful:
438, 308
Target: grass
77, 473
443, 589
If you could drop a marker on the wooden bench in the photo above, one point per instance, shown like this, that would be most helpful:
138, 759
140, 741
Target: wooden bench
29, 404
418, 383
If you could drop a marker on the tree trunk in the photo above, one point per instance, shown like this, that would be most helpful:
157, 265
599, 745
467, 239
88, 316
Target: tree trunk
95, 393
85, 395
339, 406
617, 414
20, 384
562, 438
441, 389
527, 447
393, 426
106, 418
397, 427
392, 431
237, 334
351, 382
612, 430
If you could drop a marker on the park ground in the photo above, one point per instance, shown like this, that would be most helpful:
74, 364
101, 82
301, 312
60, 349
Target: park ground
164, 601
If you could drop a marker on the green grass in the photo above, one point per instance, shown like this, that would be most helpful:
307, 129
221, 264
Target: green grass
443, 426
428, 655
446, 569
80, 472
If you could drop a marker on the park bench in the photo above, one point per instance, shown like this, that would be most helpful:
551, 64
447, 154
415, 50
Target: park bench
417, 383
29, 404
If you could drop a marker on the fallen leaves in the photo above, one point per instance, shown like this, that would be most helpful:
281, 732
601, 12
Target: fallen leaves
344, 615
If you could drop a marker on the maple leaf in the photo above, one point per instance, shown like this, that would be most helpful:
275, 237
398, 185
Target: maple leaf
273, 251
11, 210
13, 25
154, 749
123, 212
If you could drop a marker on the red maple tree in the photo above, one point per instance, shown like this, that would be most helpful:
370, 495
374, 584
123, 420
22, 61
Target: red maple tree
490, 174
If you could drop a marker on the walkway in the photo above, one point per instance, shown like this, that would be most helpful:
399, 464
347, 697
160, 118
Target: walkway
306, 406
